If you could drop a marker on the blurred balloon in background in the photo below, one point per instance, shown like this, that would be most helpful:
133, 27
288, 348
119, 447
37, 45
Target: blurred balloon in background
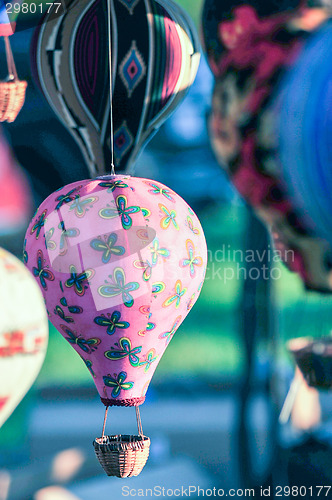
305, 131
120, 261
23, 332
249, 51
155, 57
15, 195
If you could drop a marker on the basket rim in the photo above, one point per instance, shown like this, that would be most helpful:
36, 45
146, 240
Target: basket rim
121, 442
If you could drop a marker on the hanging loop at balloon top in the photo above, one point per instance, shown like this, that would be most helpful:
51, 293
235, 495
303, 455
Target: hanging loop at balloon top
111, 84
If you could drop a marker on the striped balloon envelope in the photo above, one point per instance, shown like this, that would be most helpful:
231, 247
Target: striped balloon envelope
155, 57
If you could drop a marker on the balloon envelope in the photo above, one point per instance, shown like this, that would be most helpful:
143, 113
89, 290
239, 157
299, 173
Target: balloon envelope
305, 128
257, 50
120, 261
23, 332
6, 27
155, 57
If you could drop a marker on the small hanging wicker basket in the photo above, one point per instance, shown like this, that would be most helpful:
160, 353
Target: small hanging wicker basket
123, 455
12, 91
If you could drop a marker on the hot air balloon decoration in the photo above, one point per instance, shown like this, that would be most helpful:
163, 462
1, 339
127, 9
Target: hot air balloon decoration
120, 261
12, 90
23, 332
155, 57
251, 46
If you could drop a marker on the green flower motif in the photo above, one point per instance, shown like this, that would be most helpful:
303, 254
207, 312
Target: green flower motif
159, 190
124, 349
150, 357
192, 260
113, 185
156, 251
112, 322
40, 222
118, 383
121, 209
79, 281
168, 335
118, 286
81, 206
108, 247
88, 364
179, 292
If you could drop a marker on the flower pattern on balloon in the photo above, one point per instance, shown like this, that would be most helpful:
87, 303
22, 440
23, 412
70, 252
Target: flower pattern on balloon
72, 232
146, 268
146, 311
160, 190
66, 198
80, 281
124, 349
192, 260
118, 383
120, 210
176, 297
190, 224
113, 185
149, 327
158, 287
88, 364
112, 322
25, 253
72, 309
148, 359
118, 286
168, 217
49, 243
81, 206
87, 345
168, 335
40, 222
108, 247
41, 271
157, 252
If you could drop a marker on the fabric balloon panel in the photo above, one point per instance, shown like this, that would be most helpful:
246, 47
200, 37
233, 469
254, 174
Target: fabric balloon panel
243, 126
23, 332
305, 146
229, 24
120, 262
152, 69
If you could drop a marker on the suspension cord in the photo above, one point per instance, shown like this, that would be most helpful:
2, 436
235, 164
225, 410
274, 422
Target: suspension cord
110, 84
105, 418
139, 422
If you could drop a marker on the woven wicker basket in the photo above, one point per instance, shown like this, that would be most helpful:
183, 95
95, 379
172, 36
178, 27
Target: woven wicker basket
122, 455
12, 97
12, 91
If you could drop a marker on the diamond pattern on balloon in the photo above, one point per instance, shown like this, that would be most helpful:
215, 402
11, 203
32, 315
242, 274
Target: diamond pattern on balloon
130, 4
132, 69
123, 140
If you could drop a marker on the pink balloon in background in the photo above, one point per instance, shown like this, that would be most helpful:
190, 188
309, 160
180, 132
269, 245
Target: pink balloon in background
120, 261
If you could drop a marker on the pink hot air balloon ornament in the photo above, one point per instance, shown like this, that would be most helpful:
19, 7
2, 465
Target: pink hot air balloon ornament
120, 261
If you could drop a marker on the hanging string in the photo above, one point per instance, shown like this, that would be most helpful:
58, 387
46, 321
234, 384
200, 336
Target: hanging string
10, 60
110, 84
139, 422
105, 418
